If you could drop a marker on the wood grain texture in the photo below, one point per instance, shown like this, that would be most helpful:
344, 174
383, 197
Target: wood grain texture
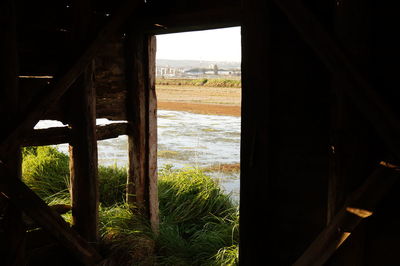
83, 161
152, 135
142, 118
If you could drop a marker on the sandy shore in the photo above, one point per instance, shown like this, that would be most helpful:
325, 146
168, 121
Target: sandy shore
197, 99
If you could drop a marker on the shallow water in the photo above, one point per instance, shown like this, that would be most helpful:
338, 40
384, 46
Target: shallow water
184, 140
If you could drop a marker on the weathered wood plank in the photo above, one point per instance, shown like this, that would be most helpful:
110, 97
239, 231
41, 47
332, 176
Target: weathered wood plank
142, 118
26, 200
362, 94
59, 135
136, 61
83, 161
192, 20
152, 135
33, 114
112, 105
111, 131
360, 205
47, 136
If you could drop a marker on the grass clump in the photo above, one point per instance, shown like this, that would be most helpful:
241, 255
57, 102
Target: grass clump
45, 170
126, 236
198, 221
112, 185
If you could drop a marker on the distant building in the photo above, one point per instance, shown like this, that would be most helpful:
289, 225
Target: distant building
167, 71
202, 71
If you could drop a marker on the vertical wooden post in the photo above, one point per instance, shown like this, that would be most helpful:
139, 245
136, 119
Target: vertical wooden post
12, 231
352, 137
83, 146
142, 117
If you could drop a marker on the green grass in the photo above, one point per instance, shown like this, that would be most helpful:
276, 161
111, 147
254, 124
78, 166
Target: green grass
198, 222
219, 83
45, 170
112, 185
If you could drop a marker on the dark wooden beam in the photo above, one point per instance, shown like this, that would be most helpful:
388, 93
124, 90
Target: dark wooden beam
33, 114
47, 136
12, 228
59, 135
362, 94
83, 160
360, 205
111, 131
200, 19
142, 118
27, 201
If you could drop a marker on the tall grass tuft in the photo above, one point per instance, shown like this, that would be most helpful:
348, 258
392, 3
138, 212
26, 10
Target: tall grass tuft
126, 236
112, 185
45, 170
198, 221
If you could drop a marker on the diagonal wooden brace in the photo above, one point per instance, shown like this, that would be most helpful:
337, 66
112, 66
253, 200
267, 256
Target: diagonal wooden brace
36, 112
359, 206
363, 95
26, 200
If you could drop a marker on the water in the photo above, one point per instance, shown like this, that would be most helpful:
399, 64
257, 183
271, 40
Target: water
184, 140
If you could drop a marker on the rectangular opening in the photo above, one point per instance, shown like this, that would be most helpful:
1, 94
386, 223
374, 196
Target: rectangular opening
198, 86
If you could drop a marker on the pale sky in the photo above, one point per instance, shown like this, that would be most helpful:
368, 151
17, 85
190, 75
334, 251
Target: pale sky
209, 45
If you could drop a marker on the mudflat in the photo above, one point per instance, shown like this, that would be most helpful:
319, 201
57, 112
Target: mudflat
199, 99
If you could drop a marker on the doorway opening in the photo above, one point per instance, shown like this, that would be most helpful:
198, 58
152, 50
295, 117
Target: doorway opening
198, 86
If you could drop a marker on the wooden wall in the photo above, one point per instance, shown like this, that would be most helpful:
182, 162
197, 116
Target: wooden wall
285, 137
306, 144
365, 30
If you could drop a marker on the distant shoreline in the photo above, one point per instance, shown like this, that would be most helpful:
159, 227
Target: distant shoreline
199, 99
208, 109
